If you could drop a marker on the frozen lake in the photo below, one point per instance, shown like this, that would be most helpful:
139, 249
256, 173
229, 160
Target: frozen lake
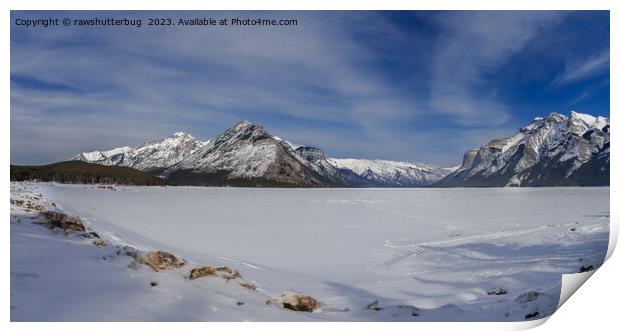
324, 228
428, 248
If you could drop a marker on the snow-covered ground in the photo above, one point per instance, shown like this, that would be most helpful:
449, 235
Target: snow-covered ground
421, 254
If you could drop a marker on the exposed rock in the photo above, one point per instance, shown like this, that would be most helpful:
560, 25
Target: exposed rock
585, 268
534, 314
374, 305
90, 235
161, 261
208, 271
223, 272
315, 160
497, 291
154, 283
415, 311
59, 220
156, 260
470, 157
527, 297
297, 302
28, 205
532, 302
248, 285
100, 243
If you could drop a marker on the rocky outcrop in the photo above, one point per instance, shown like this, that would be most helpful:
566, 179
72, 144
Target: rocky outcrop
157, 260
296, 302
497, 291
223, 272
208, 271
62, 221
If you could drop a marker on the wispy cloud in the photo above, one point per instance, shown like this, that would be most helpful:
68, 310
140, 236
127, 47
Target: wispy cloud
369, 84
584, 69
473, 45
202, 78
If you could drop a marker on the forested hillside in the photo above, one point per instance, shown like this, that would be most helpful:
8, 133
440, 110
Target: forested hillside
83, 172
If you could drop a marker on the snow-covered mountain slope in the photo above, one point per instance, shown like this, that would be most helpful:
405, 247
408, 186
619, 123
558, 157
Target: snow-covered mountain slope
151, 156
314, 159
367, 173
556, 150
113, 157
245, 154
386, 173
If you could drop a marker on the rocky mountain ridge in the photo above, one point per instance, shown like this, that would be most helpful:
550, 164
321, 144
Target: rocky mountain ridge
246, 154
554, 150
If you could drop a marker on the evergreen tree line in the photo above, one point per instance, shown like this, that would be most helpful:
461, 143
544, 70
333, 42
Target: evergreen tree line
83, 172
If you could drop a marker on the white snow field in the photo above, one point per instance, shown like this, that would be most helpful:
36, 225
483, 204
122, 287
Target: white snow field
422, 254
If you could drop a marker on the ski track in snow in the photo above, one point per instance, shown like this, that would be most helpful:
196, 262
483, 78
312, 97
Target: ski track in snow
423, 254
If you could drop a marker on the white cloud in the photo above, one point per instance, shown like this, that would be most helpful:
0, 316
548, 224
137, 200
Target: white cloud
137, 85
580, 70
472, 45
203, 78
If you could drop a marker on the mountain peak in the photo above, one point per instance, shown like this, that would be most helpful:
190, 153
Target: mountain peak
241, 125
555, 150
243, 130
597, 122
552, 150
153, 155
180, 134
555, 117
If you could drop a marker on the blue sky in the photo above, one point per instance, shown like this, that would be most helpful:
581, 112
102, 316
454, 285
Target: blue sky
418, 86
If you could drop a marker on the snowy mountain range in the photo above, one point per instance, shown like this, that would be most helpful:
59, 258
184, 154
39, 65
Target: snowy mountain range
555, 150
153, 157
387, 173
246, 154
